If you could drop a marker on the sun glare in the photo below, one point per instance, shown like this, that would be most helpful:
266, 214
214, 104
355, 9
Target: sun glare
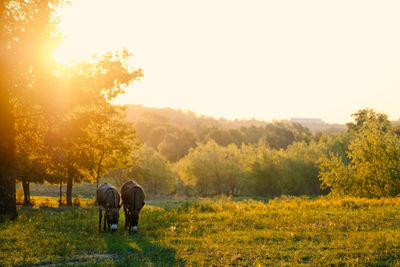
267, 58
63, 54
86, 33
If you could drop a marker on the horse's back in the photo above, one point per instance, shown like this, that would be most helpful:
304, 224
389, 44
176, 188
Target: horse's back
107, 195
132, 194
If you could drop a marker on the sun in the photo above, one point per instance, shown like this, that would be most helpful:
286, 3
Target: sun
64, 54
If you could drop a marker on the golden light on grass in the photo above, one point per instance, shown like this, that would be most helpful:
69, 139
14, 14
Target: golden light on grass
284, 231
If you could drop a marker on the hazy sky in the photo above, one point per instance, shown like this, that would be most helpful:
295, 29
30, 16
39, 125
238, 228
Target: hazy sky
244, 59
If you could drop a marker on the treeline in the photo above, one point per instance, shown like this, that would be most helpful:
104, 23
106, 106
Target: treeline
249, 169
173, 133
285, 159
197, 155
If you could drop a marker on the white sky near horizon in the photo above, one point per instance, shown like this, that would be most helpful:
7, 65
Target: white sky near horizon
249, 59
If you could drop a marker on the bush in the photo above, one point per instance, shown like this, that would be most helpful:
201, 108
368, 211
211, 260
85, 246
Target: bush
20, 195
77, 200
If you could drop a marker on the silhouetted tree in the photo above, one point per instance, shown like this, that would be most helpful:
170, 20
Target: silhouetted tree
27, 41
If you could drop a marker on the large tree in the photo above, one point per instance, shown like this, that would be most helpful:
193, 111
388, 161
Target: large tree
91, 128
26, 40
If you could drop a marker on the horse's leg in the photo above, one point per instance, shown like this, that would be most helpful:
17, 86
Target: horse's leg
126, 218
100, 215
131, 222
134, 223
105, 222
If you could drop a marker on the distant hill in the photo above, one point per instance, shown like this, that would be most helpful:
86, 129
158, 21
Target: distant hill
187, 118
192, 120
318, 125
174, 132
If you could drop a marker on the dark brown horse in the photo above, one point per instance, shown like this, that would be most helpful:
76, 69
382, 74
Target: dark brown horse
108, 199
133, 196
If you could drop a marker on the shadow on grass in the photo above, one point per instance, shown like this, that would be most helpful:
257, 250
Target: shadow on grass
137, 250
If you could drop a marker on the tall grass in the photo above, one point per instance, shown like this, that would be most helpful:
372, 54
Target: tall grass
286, 230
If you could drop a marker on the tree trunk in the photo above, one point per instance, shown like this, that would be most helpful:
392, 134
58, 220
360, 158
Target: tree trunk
7, 147
186, 190
27, 193
70, 181
98, 171
60, 193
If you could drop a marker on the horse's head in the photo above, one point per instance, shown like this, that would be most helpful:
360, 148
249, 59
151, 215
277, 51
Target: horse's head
112, 215
134, 216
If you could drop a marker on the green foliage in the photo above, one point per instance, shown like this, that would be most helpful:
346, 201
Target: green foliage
293, 171
204, 232
334, 175
77, 200
153, 171
221, 162
300, 168
280, 134
174, 132
111, 141
374, 159
212, 169
255, 169
176, 145
223, 137
264, 170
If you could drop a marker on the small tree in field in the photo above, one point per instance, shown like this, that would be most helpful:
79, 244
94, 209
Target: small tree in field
96, 141
111, 142
374, 154
87, 129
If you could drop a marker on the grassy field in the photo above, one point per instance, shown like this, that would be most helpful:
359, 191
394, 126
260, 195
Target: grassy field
206, 232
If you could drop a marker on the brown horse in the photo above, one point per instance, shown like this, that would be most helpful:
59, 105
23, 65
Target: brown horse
133, 196
108, 199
